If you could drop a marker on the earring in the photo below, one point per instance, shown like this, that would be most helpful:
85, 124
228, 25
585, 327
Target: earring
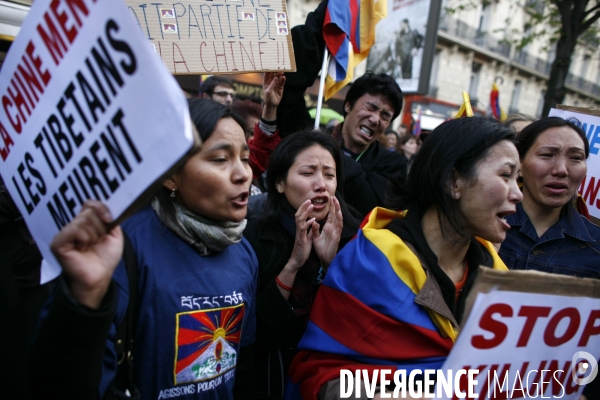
173, 193
456, 195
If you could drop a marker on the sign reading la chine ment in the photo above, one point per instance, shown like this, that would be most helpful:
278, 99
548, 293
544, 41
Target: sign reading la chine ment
87, 112
218, 36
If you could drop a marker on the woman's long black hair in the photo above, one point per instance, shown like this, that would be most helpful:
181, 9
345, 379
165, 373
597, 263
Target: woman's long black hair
454, 147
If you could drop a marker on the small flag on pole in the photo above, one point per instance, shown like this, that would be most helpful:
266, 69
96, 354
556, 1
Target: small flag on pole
495, 108
465, 109
349, 32
417, 125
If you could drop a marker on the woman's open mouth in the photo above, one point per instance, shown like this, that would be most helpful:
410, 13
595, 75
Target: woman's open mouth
556, 188
319, 203
502, 218
241, 200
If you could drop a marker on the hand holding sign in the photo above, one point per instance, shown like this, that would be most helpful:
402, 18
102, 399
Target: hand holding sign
89, 253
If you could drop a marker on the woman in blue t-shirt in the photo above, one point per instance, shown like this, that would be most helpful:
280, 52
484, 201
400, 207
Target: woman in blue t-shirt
196, 284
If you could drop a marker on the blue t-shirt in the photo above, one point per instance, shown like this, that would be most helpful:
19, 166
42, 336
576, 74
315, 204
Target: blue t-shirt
195, 313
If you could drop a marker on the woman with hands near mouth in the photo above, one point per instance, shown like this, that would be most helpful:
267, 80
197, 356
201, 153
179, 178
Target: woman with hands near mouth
304, 224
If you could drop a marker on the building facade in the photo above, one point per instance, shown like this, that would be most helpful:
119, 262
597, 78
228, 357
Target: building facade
477, 45
475, 48
12, 14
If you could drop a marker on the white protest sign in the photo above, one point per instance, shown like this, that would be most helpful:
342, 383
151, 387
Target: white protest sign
590, 186
88, 111
218, 36
527, 345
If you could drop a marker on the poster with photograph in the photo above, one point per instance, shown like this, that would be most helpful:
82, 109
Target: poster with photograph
405, 43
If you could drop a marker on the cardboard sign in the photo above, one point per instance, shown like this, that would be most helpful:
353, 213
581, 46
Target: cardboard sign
590, 186
529, 345
218, 36
88, 112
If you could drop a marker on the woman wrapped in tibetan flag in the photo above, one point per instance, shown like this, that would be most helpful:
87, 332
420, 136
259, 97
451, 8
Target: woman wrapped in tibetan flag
392, 297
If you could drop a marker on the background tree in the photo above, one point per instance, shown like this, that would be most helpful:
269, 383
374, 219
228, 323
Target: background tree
576, 21
561, 23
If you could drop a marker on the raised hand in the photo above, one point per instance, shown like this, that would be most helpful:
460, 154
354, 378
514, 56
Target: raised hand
89, 253
327, 241
273, 83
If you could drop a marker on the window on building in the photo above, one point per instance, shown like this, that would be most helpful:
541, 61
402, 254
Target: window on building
484, 18
527, 32
535, 5
474, 82
540, 105
514, 99
552, 53
585, 65
435, 70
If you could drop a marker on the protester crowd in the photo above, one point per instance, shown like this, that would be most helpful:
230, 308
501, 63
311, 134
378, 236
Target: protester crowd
277, 254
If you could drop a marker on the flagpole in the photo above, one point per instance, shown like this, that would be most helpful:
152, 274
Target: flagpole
321, 88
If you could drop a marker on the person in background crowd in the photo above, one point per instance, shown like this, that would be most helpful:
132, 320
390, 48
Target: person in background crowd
391, 140
547, 233
304, 224
408, 146
410, 272
330, 127
22, 262
371, 104
250, 112
12, 354
422, 136
266, 135
381, 138
518, 121
218, 88
403, 130
196, 278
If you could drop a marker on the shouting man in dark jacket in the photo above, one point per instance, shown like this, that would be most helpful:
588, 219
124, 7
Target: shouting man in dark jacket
370, 106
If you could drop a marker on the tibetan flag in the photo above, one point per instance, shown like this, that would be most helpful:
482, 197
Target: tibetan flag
465, 109
349, 33
417, 125
365, 315
495, 109
368, 314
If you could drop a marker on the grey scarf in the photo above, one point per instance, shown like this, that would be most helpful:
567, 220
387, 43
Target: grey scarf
207, 236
